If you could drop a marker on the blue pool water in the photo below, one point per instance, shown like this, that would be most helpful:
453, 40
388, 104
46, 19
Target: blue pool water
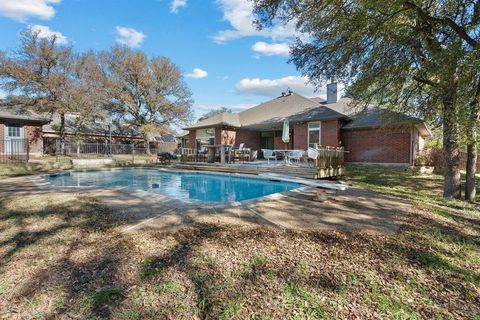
179, 185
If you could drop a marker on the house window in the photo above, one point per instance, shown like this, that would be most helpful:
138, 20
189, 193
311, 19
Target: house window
14, 130
314, 134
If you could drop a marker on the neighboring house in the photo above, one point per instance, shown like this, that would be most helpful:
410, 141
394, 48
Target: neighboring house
375, 135
18, 123
92, 131
41, 130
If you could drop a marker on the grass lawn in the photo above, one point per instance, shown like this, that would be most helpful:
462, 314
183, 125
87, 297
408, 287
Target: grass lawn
62, 256
23, 168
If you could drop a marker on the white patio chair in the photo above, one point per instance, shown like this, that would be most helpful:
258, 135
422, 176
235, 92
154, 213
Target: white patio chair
295, 155
312, 154
269, 154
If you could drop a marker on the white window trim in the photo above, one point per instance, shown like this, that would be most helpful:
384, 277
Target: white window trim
314, 129
21, 130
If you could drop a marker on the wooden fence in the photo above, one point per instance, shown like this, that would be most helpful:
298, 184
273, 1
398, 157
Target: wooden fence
330, 162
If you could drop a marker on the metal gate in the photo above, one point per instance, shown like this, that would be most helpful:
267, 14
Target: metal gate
14, 150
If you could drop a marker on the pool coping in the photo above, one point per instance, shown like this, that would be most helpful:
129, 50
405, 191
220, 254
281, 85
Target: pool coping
169, 201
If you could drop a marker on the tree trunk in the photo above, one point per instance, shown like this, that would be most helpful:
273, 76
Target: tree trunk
451, 152
147, 145
471, 185
62, 133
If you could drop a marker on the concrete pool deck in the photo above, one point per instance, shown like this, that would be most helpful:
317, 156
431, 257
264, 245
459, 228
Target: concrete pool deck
347, 210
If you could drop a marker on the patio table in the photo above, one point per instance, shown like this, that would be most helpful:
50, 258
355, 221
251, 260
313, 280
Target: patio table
284, 153
212, 150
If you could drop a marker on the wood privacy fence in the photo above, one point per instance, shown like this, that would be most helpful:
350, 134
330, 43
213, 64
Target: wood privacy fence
14, 150
330, 162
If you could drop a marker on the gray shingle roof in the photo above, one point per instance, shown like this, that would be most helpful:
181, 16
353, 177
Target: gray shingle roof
222, 119
270, 112
376, 117
17, 112
296, 108
91, 128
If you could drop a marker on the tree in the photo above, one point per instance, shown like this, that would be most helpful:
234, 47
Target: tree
413, 56
472, 121
148, 94
39, 74
214, 112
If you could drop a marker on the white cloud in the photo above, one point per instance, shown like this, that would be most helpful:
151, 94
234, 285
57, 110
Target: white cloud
239, 14
197, 73
21, 10
177, 4
274, 87
129, 36
271, 49
46, 32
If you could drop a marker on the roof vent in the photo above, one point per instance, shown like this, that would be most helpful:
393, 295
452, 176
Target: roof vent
287, 93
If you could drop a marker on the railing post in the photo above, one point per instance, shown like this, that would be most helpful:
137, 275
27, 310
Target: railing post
133, 152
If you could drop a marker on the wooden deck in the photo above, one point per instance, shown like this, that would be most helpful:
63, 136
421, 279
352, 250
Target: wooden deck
251, 168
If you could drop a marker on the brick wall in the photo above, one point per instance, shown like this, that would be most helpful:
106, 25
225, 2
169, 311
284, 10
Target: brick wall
300, 136
192, 136
382, 145
279, 144
218, 135
31, 132
35, 135
252, 139
330, 133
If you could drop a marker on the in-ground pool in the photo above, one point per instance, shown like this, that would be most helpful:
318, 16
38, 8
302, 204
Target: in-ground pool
180, 185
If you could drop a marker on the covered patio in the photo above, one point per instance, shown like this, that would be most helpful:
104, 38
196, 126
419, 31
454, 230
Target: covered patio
313, 163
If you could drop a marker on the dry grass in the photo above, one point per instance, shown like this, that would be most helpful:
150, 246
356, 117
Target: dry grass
21, 169
62, 256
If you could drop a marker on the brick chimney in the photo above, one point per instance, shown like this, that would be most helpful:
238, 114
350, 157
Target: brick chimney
332, 92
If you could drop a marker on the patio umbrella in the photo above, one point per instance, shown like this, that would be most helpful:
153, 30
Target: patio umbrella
286, 132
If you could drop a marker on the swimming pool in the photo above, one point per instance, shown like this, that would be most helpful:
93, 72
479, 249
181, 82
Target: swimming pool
179, 185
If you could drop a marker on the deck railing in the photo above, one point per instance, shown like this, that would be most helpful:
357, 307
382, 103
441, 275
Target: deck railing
330, 161
330, 157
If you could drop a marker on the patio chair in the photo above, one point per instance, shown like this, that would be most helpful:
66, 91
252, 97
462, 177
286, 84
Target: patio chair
242, 153
269, 154
202, 154
312, 154
295, 155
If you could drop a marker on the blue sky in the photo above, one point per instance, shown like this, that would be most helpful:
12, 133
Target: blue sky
225, 60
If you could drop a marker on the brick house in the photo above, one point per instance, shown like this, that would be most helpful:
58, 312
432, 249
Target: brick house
373, 135
19, 125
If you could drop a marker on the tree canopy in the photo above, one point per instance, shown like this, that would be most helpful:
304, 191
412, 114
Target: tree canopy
418, 56
149, 94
